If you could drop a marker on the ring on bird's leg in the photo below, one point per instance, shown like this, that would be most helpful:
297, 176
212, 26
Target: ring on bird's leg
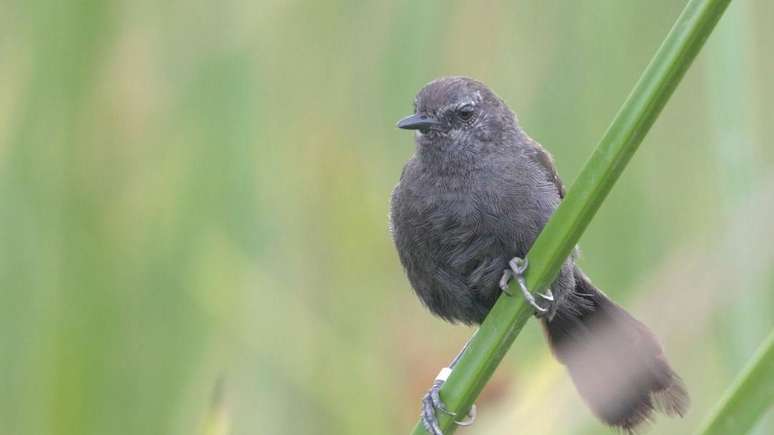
432, 402
435, 391
518, 266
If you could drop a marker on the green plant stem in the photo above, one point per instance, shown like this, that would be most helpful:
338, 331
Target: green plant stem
561, 233
748, 398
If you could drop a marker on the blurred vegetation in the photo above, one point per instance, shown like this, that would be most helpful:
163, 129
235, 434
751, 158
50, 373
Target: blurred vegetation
748, 398
192, 191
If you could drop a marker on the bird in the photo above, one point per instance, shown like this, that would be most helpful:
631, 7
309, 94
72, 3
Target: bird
469, 204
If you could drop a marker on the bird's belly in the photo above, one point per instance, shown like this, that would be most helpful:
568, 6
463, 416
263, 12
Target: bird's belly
457, 261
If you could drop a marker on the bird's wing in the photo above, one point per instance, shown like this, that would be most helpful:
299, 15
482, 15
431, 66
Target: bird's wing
544, 159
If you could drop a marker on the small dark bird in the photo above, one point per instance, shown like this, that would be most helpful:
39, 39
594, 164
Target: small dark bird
469, 205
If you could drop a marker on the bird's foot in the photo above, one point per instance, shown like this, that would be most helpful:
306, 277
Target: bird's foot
432, 403
517, 267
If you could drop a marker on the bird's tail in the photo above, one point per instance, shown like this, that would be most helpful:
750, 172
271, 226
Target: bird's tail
615, 361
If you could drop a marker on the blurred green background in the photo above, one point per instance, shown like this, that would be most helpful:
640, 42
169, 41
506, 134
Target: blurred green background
198, 191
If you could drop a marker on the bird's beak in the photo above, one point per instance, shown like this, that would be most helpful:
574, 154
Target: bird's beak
417, 122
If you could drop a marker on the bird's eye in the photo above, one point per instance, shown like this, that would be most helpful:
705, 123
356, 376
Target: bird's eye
466, 113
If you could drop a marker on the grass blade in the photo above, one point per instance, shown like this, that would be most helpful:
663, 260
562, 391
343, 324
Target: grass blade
751, 394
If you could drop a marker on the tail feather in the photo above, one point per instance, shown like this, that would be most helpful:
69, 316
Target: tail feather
616, 363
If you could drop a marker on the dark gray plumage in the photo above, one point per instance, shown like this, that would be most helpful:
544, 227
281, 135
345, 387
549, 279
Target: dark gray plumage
475, 194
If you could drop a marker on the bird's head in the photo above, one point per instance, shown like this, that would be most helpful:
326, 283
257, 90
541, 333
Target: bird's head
458, 110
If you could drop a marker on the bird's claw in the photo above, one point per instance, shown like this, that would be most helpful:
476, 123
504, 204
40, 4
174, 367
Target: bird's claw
507, 275
429, 419
432, 402
517, 267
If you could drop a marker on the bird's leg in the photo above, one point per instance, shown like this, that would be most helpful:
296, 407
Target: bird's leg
517, 267
507, 276
432, 401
